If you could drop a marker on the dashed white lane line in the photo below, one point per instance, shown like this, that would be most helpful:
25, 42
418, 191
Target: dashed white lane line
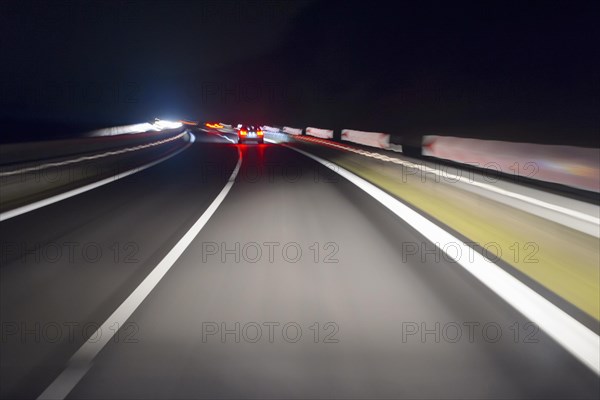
81, 361
577, 339
65, 195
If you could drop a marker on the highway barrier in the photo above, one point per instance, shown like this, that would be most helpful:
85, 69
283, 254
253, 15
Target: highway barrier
320, 133
576, 167
272, 129
35, 171
14, 153
372, 139
570, 166
292, 131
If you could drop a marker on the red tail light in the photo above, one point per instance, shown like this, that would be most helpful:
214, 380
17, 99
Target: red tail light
259, 133
243, 133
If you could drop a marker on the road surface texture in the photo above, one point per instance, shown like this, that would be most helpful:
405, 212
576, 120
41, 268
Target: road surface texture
298, 286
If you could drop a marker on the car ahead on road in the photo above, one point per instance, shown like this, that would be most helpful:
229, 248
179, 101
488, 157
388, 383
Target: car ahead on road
247, 133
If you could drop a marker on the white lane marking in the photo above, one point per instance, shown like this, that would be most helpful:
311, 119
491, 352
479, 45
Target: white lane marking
62, 196
225, 137
459, 178
577, 339
93, 157
81, 361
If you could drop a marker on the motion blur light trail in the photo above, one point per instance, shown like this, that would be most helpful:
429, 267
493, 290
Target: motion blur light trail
417, 213
564, 259
158, 125
590, 222
14, 212
388, 299
89, 158
582, 342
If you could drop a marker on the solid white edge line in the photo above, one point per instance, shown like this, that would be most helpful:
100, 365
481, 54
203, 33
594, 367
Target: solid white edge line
491, 188
81, 361
577, 339
74, 192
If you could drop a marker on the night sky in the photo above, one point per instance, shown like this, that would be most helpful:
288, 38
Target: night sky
521, 70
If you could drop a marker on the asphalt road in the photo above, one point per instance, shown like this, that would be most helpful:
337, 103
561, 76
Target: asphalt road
297, 287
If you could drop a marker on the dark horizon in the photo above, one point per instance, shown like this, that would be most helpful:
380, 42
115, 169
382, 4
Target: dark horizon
497, 70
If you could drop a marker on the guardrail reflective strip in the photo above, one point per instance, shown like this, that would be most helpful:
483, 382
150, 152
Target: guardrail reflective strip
88, 158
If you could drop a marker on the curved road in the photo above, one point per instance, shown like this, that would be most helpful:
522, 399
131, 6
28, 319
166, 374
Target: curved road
298, 286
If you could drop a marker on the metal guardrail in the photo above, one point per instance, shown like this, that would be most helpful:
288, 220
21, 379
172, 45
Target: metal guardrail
15, 153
